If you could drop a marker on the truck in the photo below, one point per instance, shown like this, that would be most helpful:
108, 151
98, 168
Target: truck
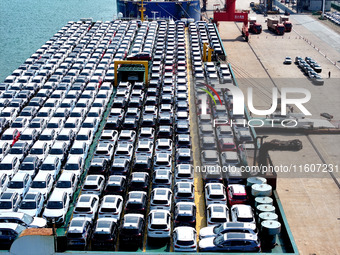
254, 27
275, 26
285, 21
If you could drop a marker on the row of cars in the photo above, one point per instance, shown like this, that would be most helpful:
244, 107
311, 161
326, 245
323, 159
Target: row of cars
48, 142
230, 218
333, 16
108, 178
157, 166
311, 68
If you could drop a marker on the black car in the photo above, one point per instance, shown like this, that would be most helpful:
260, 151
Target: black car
9, 232
120, 166
99, 165
185, 214
139, 181
142, 163
183, 141
132, 230
113, 122
136, 202
116, 185
78, 233
104, 235
165, 131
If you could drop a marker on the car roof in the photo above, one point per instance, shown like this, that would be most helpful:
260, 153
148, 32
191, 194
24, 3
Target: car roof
185, 233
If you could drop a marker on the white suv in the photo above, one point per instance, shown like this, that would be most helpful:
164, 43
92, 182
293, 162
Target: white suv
159, 224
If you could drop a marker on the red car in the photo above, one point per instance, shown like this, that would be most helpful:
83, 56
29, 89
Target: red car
237, 194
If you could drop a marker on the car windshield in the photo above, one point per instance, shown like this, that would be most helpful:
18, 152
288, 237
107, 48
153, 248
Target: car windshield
63, 184
47, 167
45, 138
16, 151
71, 167
218, 228
5, 205
37, 151
77, 151
6, 166
38, 184
56, 151
16, 185
219, 240
54, 205
26, 166
28, 205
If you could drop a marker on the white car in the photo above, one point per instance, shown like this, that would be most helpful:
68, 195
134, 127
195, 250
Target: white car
111, 207
79, 149
242, 213
87, 206
215, 194
32, 204
23, 219
40, 149
159, 224
51, 164
94, 184
213, 231
217, 214
74, 164
42, 182
184, 239
20, 183
68, 183
57, 207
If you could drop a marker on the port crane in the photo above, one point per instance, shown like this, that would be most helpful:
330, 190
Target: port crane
229, 13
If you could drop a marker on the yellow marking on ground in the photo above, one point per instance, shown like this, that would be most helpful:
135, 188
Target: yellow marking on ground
198, 181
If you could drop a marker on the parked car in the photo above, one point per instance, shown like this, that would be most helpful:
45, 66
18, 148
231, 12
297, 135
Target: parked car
184, 239
86, 206
116, 185
237, 194
185, 214
227, 227
111, 207
159, 225
78, 233
217, 214
12, 230
104, 235
94, 184
42, 182
9, 201
242, 213
132, 230
22, 219
68, 183
136, 202
230, 242
56, 208
215, 194
19, 183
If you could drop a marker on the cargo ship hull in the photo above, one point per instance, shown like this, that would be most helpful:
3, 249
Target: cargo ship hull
170, 10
